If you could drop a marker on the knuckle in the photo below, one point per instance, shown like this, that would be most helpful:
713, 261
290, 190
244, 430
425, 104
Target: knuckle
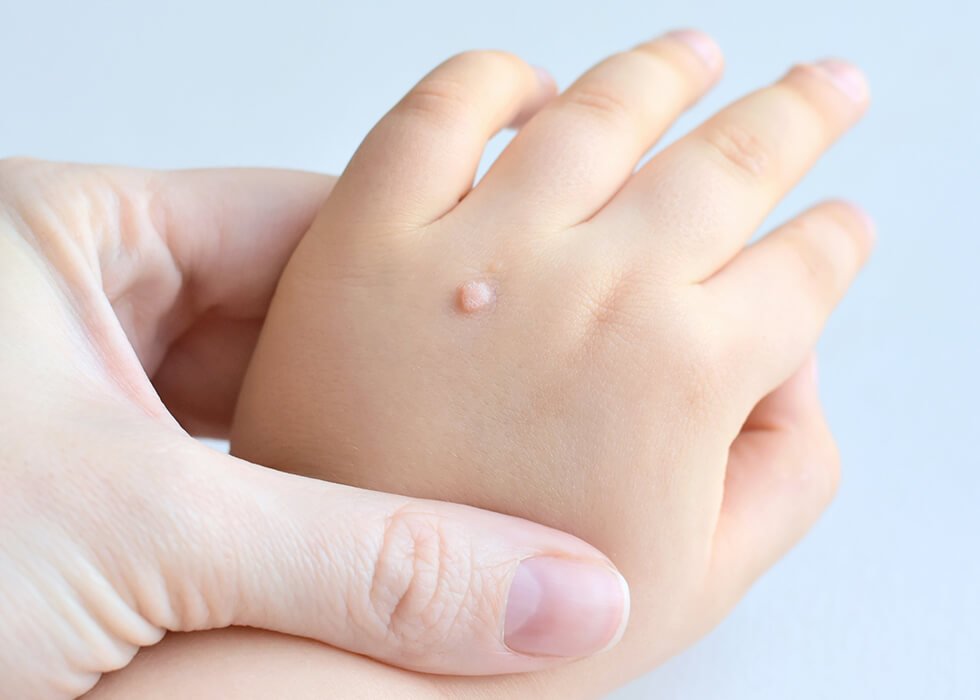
422, 581
71, 215
739, 150
485, 62
611, 308
436, 99
700, 359
653, 51
622, 316
704, 360
668, 65
445, 95
633, 313
598, 101
702, 370
643, 109
198, 584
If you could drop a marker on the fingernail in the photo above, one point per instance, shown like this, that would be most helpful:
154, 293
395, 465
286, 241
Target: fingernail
846, 77
869, 223
544, 77
701, 44
565, 608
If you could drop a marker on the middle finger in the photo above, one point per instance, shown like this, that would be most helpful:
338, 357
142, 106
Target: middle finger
705, 195
570, 158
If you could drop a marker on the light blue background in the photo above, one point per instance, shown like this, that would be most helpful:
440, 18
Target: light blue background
882, 600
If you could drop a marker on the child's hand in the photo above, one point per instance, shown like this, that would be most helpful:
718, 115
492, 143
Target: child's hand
572, 342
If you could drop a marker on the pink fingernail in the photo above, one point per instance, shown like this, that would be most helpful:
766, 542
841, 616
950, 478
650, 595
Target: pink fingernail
701, 44
870, 227
846, 77
869, 222
544, 77
565, 608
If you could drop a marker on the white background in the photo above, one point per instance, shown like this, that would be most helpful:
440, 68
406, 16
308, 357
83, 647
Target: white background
882, 600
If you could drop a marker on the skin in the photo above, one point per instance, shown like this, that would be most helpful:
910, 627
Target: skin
123, 310
639, 377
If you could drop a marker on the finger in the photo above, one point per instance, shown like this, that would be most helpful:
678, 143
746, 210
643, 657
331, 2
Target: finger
182, 255
778, 293
424, 585
783, 471
231, 231
421, 158
731, 171
571, 157
201, 376
175, 242
229, 234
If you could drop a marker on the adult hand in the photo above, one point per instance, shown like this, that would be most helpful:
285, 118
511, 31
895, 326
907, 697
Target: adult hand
130, 302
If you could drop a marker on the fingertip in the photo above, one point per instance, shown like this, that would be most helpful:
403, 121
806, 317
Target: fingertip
625, 614
546, 80
547, 88
565, 608
854, 219
702, 45
846, 77
867, 221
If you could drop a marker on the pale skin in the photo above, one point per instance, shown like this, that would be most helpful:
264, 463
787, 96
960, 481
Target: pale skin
570, 341
123, 310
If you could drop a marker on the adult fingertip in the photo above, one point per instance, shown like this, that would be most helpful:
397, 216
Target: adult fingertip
565, 608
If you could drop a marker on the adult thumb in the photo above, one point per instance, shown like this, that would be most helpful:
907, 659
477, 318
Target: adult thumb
424, 585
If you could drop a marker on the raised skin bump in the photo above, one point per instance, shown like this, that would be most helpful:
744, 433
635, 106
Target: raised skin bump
475, 296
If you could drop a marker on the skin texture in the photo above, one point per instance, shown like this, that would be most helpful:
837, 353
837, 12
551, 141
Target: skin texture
123, 310
642, 379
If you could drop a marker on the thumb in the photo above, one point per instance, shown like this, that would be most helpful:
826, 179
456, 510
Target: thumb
424, 585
